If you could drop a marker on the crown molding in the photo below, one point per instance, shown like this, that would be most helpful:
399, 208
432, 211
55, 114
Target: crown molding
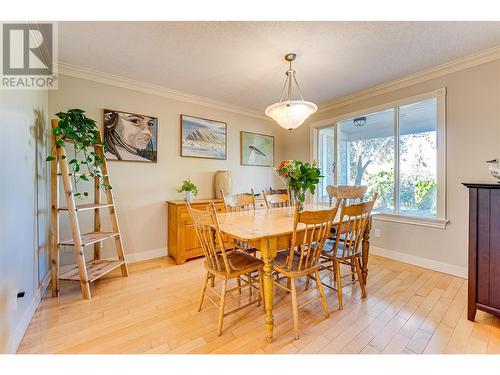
412, 79
114, 80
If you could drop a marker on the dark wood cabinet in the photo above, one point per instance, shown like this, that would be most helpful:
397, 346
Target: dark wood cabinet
484, 249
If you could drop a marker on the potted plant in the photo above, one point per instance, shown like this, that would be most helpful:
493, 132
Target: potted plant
83, 133
189, 188
300, 177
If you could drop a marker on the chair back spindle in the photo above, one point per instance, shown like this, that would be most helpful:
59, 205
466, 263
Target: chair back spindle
307, 243
206, 225
353, 221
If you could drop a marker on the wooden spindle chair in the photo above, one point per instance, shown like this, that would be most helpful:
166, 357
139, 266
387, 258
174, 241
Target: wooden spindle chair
346, 247
239, 203
224, 264
272, 191
310, 231
345, 195
276, 200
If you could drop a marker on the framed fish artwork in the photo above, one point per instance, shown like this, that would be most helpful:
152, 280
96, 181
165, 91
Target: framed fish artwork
257, 149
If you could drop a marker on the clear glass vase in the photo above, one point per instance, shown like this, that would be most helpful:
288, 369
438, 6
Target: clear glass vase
300, 197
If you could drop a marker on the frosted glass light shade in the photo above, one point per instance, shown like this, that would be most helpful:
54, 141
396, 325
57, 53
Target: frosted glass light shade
291, 114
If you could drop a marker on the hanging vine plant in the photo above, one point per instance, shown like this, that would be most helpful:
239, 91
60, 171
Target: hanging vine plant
83, 133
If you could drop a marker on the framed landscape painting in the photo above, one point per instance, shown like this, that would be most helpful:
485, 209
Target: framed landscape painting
203, 138
257, 149
130, 136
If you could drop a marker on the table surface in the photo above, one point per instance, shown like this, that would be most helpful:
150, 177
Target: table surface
258, 224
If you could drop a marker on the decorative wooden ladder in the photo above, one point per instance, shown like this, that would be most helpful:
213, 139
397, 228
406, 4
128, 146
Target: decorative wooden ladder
84, 271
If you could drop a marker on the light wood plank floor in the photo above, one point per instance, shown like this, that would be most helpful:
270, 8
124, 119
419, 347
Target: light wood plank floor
408, 310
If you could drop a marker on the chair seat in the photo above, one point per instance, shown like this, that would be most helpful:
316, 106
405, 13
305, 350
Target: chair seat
239, 263
339, 254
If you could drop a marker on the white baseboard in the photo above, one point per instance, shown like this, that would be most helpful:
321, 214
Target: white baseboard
434, 265
18, 333
145, 255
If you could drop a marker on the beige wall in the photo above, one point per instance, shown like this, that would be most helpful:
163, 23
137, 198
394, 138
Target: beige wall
141, 189
24, 218
473, 136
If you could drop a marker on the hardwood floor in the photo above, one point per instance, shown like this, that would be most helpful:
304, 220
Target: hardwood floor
408, 310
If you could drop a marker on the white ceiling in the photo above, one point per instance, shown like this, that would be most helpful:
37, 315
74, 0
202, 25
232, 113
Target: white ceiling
241, 63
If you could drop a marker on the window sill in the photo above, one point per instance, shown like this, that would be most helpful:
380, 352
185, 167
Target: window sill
413, 220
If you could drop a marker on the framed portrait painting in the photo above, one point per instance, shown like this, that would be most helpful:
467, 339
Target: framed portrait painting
257, 149
203, 138
130, 136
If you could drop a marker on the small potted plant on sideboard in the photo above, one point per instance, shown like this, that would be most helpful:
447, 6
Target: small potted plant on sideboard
190, 189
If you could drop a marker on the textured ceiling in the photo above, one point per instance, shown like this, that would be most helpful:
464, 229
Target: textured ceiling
241, 63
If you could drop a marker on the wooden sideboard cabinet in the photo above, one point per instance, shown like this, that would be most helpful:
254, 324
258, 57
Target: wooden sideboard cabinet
484, 249
182, 239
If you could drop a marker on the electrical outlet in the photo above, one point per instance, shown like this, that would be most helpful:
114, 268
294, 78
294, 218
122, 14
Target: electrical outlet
377, 232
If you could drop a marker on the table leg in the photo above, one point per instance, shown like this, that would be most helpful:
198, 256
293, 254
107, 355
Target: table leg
365, 250
268, 250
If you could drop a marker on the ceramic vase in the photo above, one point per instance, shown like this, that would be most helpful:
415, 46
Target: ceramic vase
189, 196
223, 181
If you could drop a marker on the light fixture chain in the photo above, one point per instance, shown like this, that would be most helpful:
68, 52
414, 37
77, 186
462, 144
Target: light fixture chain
283, 89
289, 79
298, 87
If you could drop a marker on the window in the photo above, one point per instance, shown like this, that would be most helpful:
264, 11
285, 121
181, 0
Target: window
326, 160
417, 159
394, 151
366, 155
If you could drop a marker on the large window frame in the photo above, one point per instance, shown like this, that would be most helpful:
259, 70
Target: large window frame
440, 220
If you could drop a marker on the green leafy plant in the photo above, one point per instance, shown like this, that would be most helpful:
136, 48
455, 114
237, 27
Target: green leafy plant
187, 185
300, 177
83, 132
425, 194
382, 183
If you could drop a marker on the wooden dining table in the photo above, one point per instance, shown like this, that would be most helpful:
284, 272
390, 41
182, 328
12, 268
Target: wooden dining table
269, 230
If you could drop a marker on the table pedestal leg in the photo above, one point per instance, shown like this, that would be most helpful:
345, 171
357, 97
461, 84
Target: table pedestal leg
268, 251
365, 250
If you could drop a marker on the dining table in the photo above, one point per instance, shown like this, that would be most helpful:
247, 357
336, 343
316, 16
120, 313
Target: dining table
270, 230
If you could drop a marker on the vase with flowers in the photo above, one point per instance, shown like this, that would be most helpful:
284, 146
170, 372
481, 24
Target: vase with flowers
300, 177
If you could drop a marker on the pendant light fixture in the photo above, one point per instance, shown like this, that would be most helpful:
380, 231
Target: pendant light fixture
290, 114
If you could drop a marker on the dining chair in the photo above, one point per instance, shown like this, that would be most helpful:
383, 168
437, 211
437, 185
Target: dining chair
346, 247
276, 200
238, 203
347, 194
310, 231
272, 191
224, 264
